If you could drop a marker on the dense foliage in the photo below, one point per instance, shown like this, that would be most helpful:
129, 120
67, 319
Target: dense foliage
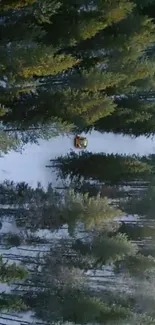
72, 254
110, 169
71, 272
66, 64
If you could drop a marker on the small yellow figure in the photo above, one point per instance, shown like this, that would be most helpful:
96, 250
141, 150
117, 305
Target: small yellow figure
81, 142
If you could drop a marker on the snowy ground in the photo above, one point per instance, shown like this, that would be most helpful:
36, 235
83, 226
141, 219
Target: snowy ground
30, 165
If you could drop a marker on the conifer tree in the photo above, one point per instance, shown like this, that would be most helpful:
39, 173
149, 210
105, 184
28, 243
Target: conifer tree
28, 60
75, 72
8, 143
8, 303
61, 283
50, 210
134, 116
60, 279
74, 106
143, 202
111, 169
14, 4
106, 249
9, 273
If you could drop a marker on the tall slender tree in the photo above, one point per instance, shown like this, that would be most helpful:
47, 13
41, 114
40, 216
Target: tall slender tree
112, 169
